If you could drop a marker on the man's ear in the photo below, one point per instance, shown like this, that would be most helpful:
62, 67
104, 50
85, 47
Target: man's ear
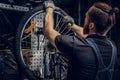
91, 26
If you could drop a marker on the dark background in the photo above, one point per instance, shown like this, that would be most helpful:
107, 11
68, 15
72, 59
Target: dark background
9, 20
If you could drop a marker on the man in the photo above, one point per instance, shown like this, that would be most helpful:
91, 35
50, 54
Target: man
86, 62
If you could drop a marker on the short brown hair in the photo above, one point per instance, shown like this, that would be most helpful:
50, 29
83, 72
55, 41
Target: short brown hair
103, 16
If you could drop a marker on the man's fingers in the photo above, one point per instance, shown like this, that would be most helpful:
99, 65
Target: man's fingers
49, 4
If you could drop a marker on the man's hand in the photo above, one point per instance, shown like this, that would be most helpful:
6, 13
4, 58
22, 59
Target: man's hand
49, 4
69, 21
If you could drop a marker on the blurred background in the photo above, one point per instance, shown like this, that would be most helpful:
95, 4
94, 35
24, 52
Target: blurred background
11, 12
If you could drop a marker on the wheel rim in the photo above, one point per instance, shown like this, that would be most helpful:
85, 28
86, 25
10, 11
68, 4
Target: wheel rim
31, 55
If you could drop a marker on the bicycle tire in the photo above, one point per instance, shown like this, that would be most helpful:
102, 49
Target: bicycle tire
6, 43
8, 66
18, 40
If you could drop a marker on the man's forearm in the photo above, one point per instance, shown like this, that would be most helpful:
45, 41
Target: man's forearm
49, 31
49, 18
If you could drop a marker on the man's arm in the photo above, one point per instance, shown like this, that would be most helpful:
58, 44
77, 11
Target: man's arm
48, 29
69, 21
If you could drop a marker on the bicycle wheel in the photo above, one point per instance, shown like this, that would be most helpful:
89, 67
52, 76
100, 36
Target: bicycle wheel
5, 44
8, 66
34, 52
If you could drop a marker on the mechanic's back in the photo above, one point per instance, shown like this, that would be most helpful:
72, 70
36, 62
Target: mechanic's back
90, 58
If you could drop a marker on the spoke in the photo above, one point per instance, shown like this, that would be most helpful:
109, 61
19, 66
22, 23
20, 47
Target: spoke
63, 30
57, 25
57, 19
60, 27
67, 31
26, 36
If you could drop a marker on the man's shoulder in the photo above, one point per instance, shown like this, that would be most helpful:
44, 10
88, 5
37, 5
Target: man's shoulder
80, 40
73, 38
